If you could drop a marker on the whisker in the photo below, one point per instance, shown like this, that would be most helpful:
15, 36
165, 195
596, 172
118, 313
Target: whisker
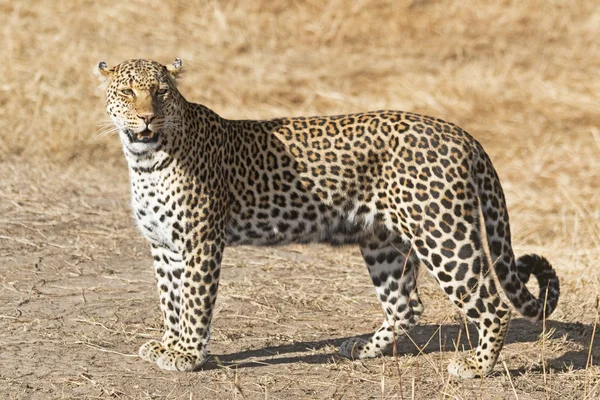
105, 122
106, 128
104, 134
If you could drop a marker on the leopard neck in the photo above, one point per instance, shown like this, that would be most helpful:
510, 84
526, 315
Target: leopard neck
161, 157
193, 137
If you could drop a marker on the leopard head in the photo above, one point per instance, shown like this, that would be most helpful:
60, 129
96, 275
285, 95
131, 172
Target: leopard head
142, 100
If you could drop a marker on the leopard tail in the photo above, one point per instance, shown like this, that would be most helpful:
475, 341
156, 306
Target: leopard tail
512, 274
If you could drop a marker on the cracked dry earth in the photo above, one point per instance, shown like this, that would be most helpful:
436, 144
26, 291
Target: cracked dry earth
77, 299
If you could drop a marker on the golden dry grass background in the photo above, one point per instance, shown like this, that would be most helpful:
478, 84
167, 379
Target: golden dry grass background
504, 70
521, 76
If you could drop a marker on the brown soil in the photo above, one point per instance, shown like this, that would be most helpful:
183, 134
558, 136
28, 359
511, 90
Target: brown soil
77, 299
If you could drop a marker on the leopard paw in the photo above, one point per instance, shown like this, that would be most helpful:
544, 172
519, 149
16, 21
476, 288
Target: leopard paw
173, 360
466, 368
356, 349
151, 351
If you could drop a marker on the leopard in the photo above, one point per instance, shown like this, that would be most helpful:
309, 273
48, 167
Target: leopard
413, 192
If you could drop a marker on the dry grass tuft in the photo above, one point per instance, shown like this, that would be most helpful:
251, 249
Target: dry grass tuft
76, 295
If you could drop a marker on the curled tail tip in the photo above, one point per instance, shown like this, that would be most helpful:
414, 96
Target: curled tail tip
540, 267
534, 261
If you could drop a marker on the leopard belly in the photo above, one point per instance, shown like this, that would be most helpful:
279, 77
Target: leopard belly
316, 224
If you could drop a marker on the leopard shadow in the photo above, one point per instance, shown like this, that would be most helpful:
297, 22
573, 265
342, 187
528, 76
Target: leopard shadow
422, 339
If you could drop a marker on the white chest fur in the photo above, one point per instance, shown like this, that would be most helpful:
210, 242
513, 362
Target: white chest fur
152, 211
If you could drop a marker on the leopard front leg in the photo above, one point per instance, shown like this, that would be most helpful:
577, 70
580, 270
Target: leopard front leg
203, 246
168, 268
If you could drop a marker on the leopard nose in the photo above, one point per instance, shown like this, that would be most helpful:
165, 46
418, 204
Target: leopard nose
147, 118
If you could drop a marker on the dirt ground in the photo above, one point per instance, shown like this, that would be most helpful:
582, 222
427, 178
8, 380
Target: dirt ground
77, 299
77, 292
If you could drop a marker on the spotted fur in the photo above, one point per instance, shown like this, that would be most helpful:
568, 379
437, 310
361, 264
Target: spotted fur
411, 191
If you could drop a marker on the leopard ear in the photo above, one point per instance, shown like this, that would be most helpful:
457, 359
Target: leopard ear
103, 73
176, 68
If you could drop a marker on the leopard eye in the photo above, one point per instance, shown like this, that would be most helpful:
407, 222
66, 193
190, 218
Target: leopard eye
162, 92
128, 92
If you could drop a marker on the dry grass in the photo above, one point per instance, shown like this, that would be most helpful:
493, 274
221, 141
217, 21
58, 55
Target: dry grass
527, 69
75, 282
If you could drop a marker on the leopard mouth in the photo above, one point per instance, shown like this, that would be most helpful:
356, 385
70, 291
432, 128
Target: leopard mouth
145, 136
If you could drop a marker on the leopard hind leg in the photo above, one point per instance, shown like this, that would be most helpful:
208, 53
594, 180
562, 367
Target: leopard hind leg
393, 270
456, 256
